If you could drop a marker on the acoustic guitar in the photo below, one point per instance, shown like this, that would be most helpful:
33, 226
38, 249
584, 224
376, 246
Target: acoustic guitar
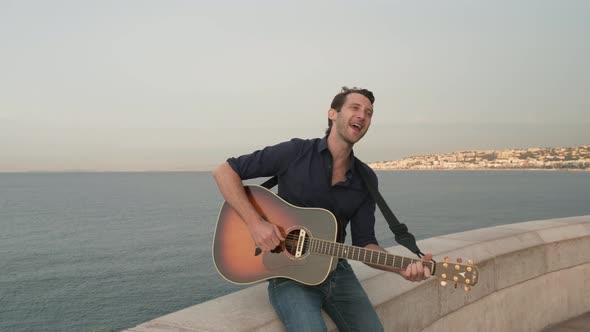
310, 251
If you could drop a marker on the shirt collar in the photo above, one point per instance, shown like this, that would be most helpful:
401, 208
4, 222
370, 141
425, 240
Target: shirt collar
323, 146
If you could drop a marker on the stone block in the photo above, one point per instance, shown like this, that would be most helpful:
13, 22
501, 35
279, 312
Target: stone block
484, 234
567, 253
411, 311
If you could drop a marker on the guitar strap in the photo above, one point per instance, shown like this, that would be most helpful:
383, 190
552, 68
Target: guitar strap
400, 230
268, 184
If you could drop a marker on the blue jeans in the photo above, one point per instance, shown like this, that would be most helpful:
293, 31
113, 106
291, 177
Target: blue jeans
340, 295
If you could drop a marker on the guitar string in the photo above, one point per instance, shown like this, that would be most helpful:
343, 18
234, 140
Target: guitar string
293, 239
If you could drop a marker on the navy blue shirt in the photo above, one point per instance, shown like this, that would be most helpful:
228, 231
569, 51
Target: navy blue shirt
304, 170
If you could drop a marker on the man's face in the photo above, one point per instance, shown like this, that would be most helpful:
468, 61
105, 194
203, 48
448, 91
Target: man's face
354, 118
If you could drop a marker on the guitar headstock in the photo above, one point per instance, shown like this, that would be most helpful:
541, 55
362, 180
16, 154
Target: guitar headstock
457, 273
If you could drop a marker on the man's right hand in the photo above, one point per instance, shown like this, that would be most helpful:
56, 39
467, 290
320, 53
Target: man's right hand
267, 236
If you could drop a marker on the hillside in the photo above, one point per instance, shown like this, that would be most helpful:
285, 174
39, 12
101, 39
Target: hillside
531, 158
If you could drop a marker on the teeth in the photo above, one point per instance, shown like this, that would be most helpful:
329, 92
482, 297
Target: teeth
356, 125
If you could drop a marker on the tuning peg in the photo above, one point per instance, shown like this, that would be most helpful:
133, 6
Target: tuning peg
443, 283
467, 288
446, 259
459, 260
470, 262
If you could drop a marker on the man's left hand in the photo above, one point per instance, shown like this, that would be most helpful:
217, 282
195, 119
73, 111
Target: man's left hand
416, 271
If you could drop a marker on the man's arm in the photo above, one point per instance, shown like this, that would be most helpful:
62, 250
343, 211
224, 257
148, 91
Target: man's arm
414, 271
266, 235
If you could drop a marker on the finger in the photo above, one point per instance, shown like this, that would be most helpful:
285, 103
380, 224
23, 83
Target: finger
262, 246
427, 272
278, 233
276, 241
408, 272
419, 269
427, 257
267, 245
414, 271
273, 242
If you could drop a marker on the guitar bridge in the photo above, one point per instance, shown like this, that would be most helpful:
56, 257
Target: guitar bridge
300, 243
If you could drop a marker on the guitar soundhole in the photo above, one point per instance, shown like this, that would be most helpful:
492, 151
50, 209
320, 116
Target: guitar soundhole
293, 242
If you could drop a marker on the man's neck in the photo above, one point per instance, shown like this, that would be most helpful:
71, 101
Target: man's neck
340, 150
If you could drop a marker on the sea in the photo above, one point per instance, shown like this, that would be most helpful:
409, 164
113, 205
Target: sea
89, 251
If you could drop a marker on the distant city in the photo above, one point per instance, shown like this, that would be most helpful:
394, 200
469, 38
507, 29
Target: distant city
562, 158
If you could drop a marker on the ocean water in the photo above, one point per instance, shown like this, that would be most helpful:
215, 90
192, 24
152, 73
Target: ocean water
83, 251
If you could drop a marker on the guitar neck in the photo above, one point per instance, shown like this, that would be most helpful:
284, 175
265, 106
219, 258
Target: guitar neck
369, 256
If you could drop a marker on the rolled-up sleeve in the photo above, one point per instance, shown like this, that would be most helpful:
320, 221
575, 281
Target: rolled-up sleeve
270, 161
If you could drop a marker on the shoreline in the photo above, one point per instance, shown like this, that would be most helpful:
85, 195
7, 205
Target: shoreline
374, 169
484, 169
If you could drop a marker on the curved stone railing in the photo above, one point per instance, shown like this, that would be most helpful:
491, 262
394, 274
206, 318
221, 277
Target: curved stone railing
532, 275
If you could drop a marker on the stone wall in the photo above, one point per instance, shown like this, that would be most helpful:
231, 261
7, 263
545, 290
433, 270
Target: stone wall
532, 275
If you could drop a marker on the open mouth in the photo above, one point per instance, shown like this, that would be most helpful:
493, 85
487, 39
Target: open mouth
356, 127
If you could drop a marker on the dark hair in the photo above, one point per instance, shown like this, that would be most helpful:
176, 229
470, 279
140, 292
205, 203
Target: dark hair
340, 99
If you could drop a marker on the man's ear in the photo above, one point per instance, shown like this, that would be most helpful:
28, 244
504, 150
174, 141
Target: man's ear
332, 114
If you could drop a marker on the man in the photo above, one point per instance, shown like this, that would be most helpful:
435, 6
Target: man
318, 173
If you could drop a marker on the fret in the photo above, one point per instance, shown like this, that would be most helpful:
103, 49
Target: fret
397, 260
369, 256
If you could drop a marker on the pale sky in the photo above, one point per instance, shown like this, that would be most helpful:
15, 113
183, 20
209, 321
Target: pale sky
170, 85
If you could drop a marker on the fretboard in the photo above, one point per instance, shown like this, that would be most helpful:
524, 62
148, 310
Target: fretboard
364, 255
